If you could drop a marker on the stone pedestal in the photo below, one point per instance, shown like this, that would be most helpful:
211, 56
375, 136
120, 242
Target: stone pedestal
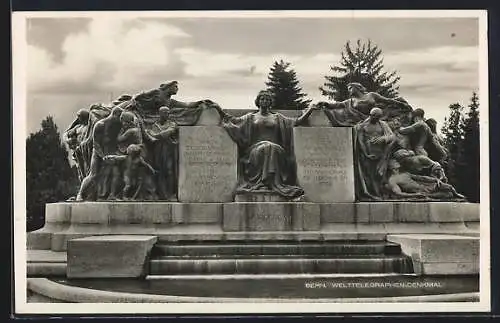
208, 161
209, 117
271, 217
109, 256
325, 167
440, 254
259, 197
318, 118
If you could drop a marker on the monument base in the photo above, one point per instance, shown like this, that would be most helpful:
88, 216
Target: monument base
277, 237
264, 196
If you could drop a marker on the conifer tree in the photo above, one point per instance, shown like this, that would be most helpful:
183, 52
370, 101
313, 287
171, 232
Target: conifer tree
471, 151
49, 176
283, 83
362, 64
452, 131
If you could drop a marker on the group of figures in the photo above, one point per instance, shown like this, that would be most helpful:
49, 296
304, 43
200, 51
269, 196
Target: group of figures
128, 150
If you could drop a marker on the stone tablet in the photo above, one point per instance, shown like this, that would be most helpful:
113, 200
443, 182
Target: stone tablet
318, 118
209, 117
325, 167
208, 161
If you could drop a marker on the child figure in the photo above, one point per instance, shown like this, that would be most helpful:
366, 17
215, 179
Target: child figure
136, 171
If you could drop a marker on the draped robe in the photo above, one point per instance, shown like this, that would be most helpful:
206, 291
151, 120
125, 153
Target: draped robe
265, 164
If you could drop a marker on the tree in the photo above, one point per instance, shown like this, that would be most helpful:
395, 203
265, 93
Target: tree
471, 151
363, 64
283, 83
49, 176
452, 131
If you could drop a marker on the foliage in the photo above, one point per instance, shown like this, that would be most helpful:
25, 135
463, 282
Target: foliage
49, 176
471, 151
362, 64
283, 83
461, 132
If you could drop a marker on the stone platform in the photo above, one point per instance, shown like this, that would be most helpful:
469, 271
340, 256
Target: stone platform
228, 229
251, 221
435, 254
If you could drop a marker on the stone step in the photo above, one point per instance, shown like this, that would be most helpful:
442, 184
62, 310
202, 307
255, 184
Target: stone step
441, 254
46, 269
54, 236
278, 248
276, 265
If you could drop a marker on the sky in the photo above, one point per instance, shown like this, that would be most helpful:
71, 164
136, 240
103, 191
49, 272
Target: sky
75, 62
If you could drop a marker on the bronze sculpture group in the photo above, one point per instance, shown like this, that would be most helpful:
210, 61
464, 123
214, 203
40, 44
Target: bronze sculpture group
128, 150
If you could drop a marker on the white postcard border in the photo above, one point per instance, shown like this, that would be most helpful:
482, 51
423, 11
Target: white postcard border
19, 54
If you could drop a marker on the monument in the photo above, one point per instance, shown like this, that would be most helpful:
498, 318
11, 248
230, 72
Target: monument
188, 188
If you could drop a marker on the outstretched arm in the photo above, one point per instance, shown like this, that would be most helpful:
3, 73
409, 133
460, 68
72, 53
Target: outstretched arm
305, 115
382, 99
410, 129
225, 117
332, 105
114, 158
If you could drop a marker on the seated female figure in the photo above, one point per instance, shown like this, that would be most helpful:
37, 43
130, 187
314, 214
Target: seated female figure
264, 139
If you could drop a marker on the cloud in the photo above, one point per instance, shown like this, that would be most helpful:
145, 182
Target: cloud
433, 78
112, 53
200, 63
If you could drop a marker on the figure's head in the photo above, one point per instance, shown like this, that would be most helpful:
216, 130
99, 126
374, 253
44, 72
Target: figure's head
170, 88
83, 116
264, 100
417, 114
401, 154
127, 119
376, 114
437, 171
134, 150
355, 88
393, 166
122, 98
432, 123
164, 113
116, 112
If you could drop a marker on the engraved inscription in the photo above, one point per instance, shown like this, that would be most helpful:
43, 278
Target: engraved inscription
208, 161
324, 163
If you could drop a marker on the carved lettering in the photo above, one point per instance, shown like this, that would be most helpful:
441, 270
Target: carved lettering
325, 163
207, 162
